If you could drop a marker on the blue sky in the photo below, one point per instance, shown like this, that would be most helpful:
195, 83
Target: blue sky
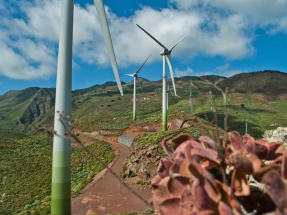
224, 38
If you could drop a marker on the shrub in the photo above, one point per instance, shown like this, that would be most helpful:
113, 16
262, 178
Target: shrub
140, 182
200, 176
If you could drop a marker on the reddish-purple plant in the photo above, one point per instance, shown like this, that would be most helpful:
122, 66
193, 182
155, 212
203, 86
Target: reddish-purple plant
201, 177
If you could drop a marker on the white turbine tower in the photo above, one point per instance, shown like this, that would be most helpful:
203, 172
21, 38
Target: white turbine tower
61, 170
166, 57
190, 101
167, 94
135, 76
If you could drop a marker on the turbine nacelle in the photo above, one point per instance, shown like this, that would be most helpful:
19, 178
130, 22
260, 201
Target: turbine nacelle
165, 52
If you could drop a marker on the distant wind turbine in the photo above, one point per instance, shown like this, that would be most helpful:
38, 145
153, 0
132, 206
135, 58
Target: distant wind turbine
61, 170
190, 100
135, 76
167, 94
166, 57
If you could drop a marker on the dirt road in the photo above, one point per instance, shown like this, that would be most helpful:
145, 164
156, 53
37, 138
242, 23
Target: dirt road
106, 194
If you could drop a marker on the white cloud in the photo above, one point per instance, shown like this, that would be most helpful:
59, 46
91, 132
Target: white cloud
223, 70
226, 71
187, 72
266, 14
29, 41
13, 65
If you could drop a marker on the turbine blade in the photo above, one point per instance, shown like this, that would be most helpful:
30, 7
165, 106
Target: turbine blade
171, 72
108, 40
177, 43
137, 72
131, 75
174, 94
152, 37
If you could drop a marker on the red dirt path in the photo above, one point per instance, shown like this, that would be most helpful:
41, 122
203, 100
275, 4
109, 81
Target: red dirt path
106, 194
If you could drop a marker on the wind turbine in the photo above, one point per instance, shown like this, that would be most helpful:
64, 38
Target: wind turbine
165, 57
167, 94
61, 170
135, 76
190, 101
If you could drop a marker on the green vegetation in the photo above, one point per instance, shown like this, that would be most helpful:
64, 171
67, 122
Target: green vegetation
148, 139
26, 162
10, 137
25, 173
113, 134
89, 126
101, 106
259, 116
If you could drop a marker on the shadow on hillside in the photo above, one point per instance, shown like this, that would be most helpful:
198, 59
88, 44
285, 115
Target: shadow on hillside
234, 124
245, 108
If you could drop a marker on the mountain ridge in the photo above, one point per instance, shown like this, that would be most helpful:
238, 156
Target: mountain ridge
35, 105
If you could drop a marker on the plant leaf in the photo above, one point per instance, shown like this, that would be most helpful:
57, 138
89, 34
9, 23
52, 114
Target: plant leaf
163, 167
177, 163
249, 143
239, 184
183, 139
177, 185
167, 150
170, 206
275, 150
211, 143
284, 167
155, 181
160, 195
208, 182
261, 148
209, 154
202, 200
276, 189
224, 209
228, 197
258, 175
179, 140
241, 163
236, 141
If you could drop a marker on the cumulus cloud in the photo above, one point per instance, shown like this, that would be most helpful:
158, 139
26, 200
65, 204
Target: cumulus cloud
29, 33
265, 14
223, 70
187, 72
226, 71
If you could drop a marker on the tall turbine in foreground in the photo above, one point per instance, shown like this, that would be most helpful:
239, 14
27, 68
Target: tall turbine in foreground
61, 170
165, 57
135, 75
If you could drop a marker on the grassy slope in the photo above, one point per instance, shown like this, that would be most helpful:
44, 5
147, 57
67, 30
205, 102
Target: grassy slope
29, 163
10, 137
100, 104
260, 112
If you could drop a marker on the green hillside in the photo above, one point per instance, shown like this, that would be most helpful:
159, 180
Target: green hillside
262, 94
258, 99
29, 163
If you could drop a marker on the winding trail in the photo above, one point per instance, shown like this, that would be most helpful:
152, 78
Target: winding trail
106, 194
